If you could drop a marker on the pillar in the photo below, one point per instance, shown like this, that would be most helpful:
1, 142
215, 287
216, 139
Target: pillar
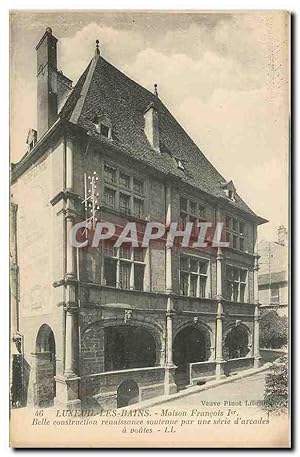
70, 337
219, 343
219, 319
169, 282
256, 351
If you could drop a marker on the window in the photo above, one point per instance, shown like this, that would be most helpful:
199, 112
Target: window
124, 189
180, 164
137, 186
125, 203
138, 207
124, 180
274, 295
236, 280
123, 267
193, 276
124, 279
109, 197
190, 211
235, 233
110, 173
104, 130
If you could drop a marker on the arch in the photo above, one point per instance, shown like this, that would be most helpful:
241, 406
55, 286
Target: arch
192, 343
127, 347
154, 328
45, 341
127, 393
236, 341
45, 391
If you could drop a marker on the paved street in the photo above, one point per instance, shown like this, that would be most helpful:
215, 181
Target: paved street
249, 388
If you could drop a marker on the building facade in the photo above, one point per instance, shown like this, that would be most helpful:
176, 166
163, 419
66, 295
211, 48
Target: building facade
105, 327
273, 273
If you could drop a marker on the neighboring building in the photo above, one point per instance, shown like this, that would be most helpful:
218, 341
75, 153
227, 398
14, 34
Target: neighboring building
273, 273
106, 327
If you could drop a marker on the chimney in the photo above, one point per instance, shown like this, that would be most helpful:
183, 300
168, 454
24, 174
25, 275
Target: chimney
282, 235
46, 82
151, 127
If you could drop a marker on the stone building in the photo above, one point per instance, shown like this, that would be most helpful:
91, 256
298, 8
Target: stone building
273, 273
104, 327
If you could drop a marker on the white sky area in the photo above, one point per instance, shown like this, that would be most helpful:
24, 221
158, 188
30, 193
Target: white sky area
223, 76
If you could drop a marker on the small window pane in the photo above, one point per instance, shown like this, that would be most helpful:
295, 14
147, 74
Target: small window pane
139, 277
125, 251
242, 228
234, 242
201, 212
125, 203
228, 222
242, 244
110, 271
184, 281
193, 207
138, 186
235, 225
104, 130
194, 265
138, 254
109, 173
138, 207
203, 268
125, 275
235, 292
242, 293
193, 286
109, 250
184, 263
124, 180
243, 275
109, 197
202, 286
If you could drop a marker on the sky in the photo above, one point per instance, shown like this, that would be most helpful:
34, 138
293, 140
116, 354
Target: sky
224, 76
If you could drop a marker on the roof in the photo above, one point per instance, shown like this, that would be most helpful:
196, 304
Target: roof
278, 277
104, 90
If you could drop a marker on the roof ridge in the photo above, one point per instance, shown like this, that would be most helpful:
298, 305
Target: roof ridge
76, 112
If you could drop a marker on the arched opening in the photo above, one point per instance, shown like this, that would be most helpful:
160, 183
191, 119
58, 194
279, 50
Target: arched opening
128, 347
236, 343
191, 344
127, 393
45, 367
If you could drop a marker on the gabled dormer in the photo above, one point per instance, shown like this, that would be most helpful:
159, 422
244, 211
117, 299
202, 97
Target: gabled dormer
103, 125
151, 126
229, 189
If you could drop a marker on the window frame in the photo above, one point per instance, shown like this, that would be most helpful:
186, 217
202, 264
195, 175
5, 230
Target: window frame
191, 274
133, 191
121, 259
234, 235
236, 284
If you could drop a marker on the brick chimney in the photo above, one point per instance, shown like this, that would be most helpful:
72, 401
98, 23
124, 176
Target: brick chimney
46, 82
282, 235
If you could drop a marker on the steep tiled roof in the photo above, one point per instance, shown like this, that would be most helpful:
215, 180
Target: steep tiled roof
103, 89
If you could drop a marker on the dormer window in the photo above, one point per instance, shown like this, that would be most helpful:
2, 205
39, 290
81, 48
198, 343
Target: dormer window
104, 130
31, 139
180, 164
103, 126
229, 190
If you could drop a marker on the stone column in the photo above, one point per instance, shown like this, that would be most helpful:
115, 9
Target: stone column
169, 281
256, 351
70, 250
219, 319
70, 340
